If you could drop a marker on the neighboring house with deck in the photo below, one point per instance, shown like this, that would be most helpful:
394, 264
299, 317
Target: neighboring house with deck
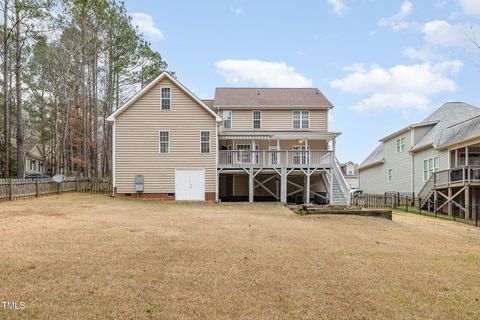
405, 160
246, 144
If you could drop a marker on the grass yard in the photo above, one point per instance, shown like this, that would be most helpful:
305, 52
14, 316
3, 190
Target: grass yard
80, 256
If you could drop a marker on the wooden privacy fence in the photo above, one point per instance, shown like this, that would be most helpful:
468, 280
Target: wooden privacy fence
14, 189
374, 201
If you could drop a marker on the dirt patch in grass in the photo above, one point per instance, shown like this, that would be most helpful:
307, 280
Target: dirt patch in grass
78, 256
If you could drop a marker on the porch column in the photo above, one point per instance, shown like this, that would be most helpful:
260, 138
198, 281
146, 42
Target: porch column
474, 209
468, 206
217, 191
307, 187
466, 156
450, 208
250, 185
283, 185
456, 158
331, 170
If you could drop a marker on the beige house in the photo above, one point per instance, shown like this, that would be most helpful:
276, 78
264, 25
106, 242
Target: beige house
246, 144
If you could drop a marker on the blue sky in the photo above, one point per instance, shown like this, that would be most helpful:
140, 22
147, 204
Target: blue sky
383, 64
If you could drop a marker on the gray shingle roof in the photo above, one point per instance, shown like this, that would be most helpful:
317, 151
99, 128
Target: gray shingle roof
459, 132
447, 115
375, 157
452, 122
265, 97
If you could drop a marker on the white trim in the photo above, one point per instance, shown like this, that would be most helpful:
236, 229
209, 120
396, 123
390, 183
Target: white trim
253, 120
113, 160
169, 98
209, 142
159, 141
301, 119
139, 94
231, 119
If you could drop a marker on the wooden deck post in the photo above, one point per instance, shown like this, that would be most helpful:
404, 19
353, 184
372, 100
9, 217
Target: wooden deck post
467, 203
307, 187
450, 208
250, 185
283, 185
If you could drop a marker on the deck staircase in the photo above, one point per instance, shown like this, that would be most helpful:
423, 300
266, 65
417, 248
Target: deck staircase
341, 191
426, 193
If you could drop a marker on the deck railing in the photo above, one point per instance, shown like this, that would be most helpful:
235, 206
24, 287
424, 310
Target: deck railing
274, 159
461, 175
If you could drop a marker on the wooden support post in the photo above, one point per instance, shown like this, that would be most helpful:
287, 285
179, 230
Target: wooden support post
250, 185
37, 188
76, 184
450, 208
435, 202
468, 205
307, 187
283, 185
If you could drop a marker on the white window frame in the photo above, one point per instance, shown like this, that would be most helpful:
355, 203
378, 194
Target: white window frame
224, 119
169, 98
209, 142
160, 142
400, 144
301, 118
390, 175
259, 119
430, 165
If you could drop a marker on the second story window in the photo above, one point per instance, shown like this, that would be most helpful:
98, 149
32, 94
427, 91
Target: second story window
227, 119
257, 119
205, 142
164, 146
301, 119
165, 91
401, 145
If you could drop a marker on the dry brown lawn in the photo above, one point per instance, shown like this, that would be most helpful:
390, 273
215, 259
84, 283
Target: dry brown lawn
81, 256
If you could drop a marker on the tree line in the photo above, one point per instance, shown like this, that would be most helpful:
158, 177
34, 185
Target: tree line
66, 66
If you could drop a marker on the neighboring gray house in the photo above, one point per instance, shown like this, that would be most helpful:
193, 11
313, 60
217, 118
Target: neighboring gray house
405, 159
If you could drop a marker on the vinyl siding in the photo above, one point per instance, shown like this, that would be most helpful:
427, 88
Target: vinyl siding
418, 165
137, 142
276, 120
375, 179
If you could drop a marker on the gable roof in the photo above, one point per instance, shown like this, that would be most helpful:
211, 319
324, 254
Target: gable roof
449, 114
271, 97
460, 132
374, 158
138, 95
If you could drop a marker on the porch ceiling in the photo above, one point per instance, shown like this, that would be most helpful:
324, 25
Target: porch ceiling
281, 135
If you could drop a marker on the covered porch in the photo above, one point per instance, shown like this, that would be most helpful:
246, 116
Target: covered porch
277, 166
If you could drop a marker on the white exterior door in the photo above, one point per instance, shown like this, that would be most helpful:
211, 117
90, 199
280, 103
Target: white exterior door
190, 184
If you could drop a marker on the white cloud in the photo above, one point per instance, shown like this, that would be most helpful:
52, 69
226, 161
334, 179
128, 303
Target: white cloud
338, 6
261, 73
402, 87
442, 33
146, 25
237, 11
397, 21
470, 7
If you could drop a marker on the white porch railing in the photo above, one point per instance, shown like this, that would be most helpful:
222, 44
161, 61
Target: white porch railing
274, 159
